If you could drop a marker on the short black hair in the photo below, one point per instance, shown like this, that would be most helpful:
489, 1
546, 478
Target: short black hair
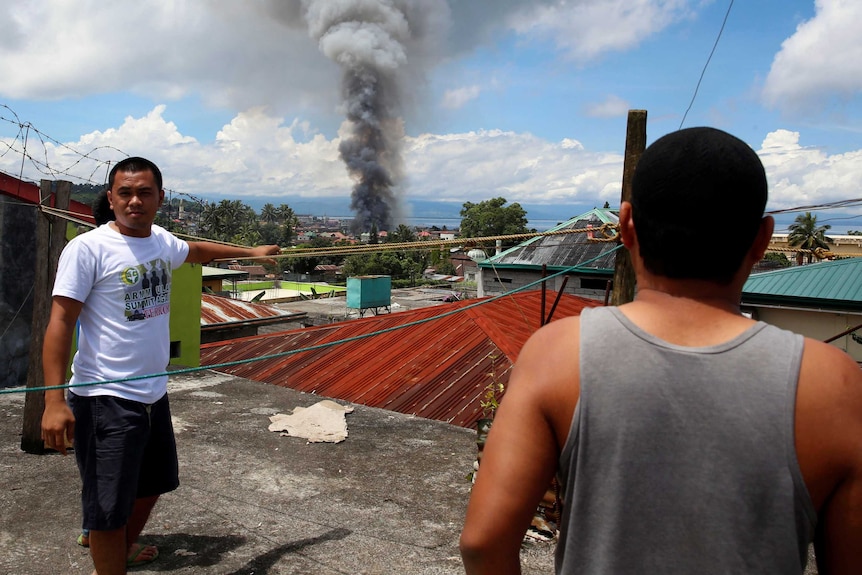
698, 197
135, 164
102, 211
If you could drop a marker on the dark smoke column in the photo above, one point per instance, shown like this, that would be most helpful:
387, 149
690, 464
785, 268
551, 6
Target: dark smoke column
368, 39
371, 152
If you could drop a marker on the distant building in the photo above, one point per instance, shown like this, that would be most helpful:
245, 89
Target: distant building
464, 265
822, 301
592, 259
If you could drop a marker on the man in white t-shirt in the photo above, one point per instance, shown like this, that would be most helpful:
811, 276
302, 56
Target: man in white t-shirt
116, 281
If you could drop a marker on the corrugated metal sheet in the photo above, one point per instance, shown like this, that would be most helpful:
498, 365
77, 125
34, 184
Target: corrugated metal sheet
209, 272
829, 283
220, 311
563, 251
437, 369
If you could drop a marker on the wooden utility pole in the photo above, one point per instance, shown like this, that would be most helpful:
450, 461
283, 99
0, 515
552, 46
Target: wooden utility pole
50, 239
624, 274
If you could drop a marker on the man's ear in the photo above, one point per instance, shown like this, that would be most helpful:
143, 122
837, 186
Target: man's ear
762, 239
110, 196
627, 225
161, 197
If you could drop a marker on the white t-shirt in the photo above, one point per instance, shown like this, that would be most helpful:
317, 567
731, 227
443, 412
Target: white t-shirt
124, 283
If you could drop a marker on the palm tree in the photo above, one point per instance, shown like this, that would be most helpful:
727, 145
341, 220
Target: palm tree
286, 215
247, 235
269, 214
807, 235
209, 220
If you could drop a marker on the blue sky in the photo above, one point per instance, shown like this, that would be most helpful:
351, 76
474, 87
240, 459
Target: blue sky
521, 99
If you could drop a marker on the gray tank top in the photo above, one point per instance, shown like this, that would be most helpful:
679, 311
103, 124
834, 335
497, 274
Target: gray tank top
682, 460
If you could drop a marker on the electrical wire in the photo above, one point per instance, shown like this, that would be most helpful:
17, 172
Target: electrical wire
706, 65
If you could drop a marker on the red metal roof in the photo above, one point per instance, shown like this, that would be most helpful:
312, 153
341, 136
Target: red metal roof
221, 311
437, 369
30, 193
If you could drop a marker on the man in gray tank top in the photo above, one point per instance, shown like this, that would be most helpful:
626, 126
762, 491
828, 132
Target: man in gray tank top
687, 438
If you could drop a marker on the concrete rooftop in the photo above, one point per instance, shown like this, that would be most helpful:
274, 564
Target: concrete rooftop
389, 499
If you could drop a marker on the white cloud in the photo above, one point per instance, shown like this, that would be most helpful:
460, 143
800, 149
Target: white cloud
242, 55
260, 154
230, 53
612, 107
821, 60
522, 168
458, 98
800, 176
588, 29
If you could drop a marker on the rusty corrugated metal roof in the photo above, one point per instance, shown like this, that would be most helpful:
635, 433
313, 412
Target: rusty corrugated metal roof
564, 251
218, 311
433, 367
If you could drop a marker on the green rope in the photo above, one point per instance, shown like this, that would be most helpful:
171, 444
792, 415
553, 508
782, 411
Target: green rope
313, 347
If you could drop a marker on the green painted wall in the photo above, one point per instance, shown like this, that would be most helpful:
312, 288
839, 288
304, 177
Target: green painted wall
186, 314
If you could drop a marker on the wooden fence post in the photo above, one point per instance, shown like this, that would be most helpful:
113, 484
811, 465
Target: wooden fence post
624, 274
50, 239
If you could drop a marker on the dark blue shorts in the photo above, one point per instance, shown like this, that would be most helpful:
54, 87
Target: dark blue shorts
125, 450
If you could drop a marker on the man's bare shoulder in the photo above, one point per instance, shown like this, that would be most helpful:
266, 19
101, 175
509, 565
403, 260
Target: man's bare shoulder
830, 385
557, 337
832, 370
828, 418
547, 362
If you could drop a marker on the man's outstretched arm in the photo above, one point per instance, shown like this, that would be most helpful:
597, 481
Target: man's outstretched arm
203, 252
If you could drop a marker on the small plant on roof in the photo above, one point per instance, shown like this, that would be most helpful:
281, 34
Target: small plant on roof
491, 399
493, 391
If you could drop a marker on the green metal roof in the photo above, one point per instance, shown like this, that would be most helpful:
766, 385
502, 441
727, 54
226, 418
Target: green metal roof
827, 285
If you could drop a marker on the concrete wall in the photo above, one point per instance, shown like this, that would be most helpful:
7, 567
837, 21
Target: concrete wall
17, 273
820, 325
848, 246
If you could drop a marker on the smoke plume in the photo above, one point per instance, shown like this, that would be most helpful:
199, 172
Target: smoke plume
379, 45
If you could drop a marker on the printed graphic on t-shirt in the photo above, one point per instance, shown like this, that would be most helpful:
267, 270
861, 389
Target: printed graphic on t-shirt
147, 290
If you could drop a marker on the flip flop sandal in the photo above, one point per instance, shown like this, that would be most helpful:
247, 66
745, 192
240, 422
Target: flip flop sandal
83, 540
134, 559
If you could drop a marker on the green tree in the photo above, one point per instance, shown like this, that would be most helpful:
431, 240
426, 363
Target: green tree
492, 218
306, 265
286, 215
269, 214
401, 234
270, 233
777, 258
288, 233
806, 234
226, 219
